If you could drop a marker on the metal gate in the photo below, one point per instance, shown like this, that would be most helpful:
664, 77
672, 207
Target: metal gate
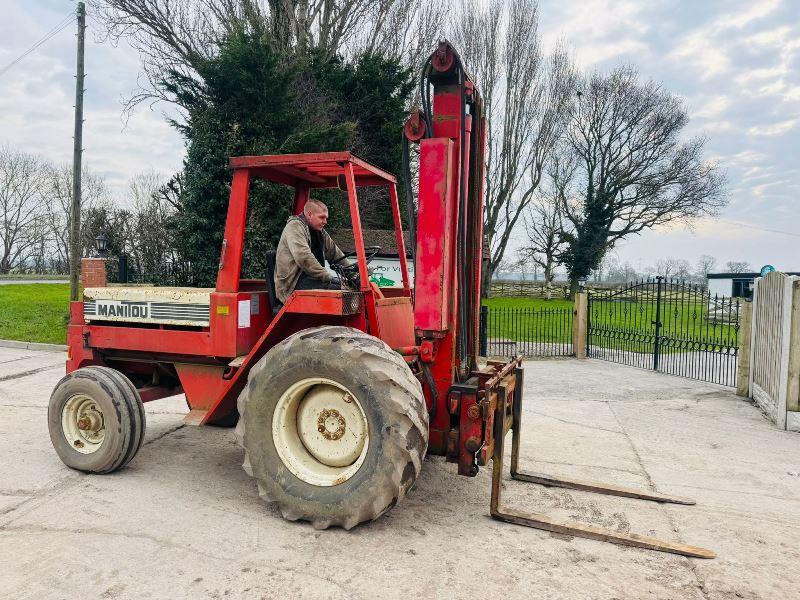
668, 326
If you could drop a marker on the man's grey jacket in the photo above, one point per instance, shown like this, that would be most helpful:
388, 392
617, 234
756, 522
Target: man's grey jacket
295, 256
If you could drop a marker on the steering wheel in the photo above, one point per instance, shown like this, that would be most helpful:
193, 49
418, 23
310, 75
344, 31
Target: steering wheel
349, 272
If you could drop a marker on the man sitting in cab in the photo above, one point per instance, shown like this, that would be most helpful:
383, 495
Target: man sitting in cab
302, 251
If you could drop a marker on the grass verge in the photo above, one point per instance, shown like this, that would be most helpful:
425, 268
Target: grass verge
532, 303
35, 312
27, 276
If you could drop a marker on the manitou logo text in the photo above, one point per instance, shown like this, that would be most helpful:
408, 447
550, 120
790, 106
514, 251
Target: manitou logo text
122, 309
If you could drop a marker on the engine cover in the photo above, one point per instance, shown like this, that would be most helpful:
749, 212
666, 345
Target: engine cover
163, 305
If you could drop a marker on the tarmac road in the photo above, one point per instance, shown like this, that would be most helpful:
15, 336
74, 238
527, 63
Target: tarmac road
183, 520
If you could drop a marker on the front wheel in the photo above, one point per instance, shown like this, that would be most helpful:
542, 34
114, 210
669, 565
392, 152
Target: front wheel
96, 420
334, 427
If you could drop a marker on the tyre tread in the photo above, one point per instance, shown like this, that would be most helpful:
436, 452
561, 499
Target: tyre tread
130, 412
406, 443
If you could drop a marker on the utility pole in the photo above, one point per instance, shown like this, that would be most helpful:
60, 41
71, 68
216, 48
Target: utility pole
75, 212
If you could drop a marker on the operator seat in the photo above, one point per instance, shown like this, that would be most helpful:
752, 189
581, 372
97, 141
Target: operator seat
276, 304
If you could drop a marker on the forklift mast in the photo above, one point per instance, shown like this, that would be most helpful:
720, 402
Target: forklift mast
450, 130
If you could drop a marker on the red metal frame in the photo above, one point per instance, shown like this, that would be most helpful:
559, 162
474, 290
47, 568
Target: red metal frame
211, 364
201, 360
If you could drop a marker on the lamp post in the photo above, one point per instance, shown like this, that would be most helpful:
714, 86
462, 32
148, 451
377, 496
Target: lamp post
101, 242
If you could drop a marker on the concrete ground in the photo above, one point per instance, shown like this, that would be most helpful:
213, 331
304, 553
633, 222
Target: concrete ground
185, 521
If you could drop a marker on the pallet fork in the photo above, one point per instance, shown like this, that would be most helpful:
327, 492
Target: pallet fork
502, 423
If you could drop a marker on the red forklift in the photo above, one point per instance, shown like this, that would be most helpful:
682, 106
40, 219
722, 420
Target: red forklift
338, 394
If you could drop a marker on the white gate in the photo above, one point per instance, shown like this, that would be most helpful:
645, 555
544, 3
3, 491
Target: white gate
775, 349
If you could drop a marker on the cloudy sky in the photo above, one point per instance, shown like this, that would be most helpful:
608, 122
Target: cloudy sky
736, 64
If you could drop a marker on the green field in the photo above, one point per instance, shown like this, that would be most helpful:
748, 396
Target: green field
527, 303
35, 312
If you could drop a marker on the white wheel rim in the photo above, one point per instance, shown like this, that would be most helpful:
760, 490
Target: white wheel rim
83, 424
320, 432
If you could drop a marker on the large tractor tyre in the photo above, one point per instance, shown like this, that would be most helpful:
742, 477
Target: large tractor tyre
229, 420
96, 420
334, 427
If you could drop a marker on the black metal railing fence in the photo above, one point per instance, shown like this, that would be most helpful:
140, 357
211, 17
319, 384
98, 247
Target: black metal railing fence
529, 331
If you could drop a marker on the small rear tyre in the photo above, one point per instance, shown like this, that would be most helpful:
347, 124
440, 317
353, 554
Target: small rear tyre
334, 427
96, 420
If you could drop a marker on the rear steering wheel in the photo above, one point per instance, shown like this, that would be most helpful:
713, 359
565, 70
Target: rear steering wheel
348, 272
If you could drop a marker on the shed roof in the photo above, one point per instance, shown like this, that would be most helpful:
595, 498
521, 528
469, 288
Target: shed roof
742, 275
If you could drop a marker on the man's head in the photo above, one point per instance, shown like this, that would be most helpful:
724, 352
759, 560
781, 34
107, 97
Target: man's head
316, 214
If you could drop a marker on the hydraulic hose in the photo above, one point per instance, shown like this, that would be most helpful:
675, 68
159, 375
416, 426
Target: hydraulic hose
425, 97
426, 372
409, 195
463, 308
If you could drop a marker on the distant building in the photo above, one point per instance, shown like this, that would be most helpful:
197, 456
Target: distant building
735, 285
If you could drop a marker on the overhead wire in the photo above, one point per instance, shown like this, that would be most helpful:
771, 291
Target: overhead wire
68, 20
758, 227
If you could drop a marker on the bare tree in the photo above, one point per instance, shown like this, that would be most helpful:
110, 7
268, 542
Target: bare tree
526, 98
542, 221
506, 267
705, 264
673, 268
169, 35
620, 272
683, 269
21, 209
176, 35
666, 267
633, 171
734, 266
148, 238
58, 201
404, 30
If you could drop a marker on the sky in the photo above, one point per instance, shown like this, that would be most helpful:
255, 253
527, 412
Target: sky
735, 63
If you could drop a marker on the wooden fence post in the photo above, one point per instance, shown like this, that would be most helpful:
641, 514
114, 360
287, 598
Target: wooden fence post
579, 325
743, 369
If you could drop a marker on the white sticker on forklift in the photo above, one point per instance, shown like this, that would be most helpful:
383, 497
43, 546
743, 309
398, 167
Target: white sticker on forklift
244, 314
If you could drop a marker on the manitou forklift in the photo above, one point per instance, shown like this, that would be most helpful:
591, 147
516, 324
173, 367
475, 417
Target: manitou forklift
339, 393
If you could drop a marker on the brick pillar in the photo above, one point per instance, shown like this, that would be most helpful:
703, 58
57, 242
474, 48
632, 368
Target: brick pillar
93, 272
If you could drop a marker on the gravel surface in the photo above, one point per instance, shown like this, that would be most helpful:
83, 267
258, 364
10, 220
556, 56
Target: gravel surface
185, 521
